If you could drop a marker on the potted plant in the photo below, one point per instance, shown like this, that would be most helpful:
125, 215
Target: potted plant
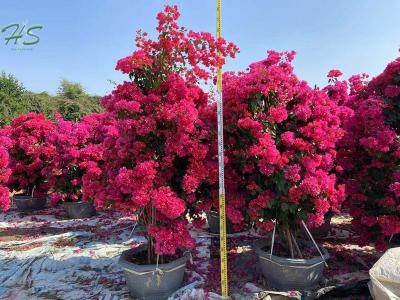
281, 137
30, 154
65, 173
154, 155
369, 156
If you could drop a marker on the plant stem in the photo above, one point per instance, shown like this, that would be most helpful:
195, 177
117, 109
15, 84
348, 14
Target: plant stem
289, 240
296, 245
153, 221
149, 252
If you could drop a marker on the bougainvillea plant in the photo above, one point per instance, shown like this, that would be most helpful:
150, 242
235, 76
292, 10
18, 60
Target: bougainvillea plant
154, 156
103, 131
280, 143
64, 175
369, 155
30, 153
5, 170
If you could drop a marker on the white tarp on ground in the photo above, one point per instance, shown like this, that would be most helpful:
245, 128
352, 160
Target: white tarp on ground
44, 255
385, 276
77, 259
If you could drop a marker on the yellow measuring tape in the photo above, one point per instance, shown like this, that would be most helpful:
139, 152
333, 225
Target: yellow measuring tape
222, 211
219, 35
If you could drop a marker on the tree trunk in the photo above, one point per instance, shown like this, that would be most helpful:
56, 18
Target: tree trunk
289, 242
296, 245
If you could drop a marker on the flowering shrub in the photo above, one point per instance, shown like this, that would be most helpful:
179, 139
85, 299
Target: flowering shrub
280, 144
64, 175
30, 152
369, 154
5, 171
94, 181
154, 155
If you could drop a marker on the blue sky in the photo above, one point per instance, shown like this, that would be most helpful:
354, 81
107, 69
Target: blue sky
82, 40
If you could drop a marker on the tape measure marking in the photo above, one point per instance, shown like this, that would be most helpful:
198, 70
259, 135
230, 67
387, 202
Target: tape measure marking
222, 206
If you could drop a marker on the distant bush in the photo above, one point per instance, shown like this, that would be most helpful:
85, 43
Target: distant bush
70, 109
12, 102
71, 101
71, 90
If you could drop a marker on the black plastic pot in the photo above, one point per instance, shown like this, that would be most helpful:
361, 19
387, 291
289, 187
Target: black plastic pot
28, 203
79, 210
144, 282
290, 273
213, 223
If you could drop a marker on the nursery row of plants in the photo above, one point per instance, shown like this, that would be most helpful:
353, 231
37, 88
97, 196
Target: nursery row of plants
293, 152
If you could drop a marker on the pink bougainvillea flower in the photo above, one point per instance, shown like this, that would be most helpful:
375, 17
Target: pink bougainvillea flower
334, 73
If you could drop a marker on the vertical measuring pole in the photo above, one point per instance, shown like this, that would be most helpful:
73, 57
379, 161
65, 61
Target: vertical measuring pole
222, 210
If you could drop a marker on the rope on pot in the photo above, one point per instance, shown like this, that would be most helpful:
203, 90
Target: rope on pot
33, 189
137, 222
273, 238
315, 244
151, 272
190, 256
390, 239
157, 272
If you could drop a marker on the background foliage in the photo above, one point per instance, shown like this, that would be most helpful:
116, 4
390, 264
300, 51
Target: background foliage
71, 101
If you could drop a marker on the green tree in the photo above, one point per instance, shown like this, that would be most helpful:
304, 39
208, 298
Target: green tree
12, 100
71, 90
71, 101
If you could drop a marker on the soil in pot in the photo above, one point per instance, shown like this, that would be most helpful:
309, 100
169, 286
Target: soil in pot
155, 282
26, 203
213, 223
140, 258
79, 210
285, 273
308, 251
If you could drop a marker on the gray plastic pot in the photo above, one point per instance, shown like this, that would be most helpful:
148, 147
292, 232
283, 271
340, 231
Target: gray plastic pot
287, 273
28, 203
79, 210
144, 283
213, 223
